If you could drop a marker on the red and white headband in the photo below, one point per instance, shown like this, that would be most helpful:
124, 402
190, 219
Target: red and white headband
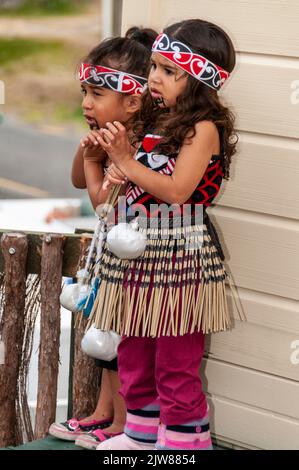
112, 79
195, 64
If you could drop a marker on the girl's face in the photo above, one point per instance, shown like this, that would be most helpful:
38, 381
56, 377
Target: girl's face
166, 81
101, 105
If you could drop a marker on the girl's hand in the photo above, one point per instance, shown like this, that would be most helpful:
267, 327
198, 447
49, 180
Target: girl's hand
114, 140
114, 176
92, 148
91, 139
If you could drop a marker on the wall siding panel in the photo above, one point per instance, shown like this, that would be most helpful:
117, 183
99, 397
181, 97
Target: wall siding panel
260, 26
251, 381
264, 176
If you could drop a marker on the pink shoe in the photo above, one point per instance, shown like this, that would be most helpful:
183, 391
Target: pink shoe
92, 439
123, 442
71, 429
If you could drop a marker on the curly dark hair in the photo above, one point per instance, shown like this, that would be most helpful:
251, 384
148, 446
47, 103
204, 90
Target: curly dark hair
198, 102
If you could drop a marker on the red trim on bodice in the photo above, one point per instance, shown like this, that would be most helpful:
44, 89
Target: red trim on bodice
204, 193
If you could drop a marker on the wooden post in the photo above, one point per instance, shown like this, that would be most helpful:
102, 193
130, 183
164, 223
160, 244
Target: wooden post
71, 253
86, 375
117, 17
51, 280
14, 247
111, 17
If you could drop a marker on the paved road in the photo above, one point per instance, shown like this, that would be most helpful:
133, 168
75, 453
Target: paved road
33, 164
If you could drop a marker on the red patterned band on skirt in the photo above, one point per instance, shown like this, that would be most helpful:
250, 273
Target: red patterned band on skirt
176, 287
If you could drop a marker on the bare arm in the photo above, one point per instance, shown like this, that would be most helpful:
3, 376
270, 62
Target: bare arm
190, 167
77, 175
95, 178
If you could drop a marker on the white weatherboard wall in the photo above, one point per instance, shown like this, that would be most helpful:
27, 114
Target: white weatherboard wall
252, 383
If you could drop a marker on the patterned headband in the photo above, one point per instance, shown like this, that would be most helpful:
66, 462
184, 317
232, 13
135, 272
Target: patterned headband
112, 79
195, 64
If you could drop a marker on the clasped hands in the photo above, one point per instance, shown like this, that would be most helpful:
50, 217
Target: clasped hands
114, 141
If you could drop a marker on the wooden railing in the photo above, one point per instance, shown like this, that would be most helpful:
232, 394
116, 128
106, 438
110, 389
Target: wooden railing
46, 258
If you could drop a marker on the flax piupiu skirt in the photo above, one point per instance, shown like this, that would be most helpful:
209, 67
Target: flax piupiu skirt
176, 286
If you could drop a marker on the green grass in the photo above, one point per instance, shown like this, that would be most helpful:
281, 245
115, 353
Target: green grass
15, 49
41, 84
66, 113
46, 8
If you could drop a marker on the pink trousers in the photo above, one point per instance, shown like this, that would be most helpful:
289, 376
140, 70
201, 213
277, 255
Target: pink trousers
165, 367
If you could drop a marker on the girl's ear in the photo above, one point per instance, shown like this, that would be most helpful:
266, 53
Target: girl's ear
132, 103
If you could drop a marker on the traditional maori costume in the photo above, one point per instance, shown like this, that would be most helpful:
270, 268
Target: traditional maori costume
177, 285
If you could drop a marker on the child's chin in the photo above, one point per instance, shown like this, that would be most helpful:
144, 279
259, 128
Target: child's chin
160, 102
94, 126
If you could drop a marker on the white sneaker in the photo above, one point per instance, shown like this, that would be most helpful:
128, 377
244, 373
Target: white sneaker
123, 442
73, 428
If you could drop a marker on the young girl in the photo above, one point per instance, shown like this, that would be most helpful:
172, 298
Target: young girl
112, 80
166, 300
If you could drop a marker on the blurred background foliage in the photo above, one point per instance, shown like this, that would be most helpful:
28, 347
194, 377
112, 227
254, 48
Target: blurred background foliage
41, 7
41, 45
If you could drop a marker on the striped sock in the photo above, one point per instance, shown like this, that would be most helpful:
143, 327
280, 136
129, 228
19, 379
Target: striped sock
194, 435
142, 425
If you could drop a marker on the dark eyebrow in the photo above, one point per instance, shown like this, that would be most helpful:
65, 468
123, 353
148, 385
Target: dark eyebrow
93, 87
165, 65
